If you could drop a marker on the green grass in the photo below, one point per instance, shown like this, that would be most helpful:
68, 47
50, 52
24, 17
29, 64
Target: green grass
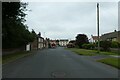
111, 61
83, 51
14, 56
108, 53
90, 52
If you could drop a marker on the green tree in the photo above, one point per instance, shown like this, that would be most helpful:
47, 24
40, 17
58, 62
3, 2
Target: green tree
14, 32
81, 39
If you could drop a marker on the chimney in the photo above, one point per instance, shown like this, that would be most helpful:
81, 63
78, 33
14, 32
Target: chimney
39, 34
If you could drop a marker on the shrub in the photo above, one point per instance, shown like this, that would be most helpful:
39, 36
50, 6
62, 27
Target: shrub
118, 45
88, 46
84, 46
115, 44
105, 45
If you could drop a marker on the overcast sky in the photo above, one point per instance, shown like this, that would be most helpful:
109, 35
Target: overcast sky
64, 20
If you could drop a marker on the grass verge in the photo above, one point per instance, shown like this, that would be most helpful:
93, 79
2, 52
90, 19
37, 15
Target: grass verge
14, 56
83, 51
108, 53
90, 52
111, 61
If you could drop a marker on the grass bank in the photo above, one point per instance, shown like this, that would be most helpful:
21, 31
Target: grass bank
111, 61
90, 52
11, 57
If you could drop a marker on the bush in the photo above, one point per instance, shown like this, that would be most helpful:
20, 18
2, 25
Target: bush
84, 46
105, 45
115, 44
118, 44
88, 46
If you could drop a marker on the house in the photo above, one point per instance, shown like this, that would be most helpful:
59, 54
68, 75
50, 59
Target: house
94, 39
72, 41
52, 42
38, 43
41, 42
63, 42
71, 44
46, 42
33, 45
112, 36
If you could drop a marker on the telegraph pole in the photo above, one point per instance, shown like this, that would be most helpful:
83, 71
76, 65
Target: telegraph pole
98, 27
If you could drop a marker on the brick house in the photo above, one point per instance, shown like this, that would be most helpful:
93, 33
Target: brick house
33, 45
112, 36
94, 38
38, 43
52, 42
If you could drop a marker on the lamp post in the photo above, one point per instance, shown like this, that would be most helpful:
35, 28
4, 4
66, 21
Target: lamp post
98, 27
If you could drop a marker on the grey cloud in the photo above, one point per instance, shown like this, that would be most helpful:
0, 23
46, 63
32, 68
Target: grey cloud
66, 20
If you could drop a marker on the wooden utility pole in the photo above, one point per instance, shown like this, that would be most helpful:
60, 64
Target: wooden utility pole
98, 27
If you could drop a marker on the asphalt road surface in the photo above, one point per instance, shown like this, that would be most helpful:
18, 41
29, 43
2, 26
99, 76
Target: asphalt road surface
57, 63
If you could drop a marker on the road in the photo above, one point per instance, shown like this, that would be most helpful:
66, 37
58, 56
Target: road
57, 63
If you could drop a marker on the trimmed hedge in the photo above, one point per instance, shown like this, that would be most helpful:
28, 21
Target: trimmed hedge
104, 45
88, 46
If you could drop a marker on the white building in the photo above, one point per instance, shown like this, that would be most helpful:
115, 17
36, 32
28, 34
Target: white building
63, 42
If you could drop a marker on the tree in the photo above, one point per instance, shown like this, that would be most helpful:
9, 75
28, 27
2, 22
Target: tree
14, 33
57, 42
81, 39
34, 35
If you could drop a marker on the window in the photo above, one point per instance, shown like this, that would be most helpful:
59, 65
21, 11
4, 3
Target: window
38, 39
114, 39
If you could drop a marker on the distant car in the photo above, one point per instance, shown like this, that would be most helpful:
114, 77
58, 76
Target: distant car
53, 45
